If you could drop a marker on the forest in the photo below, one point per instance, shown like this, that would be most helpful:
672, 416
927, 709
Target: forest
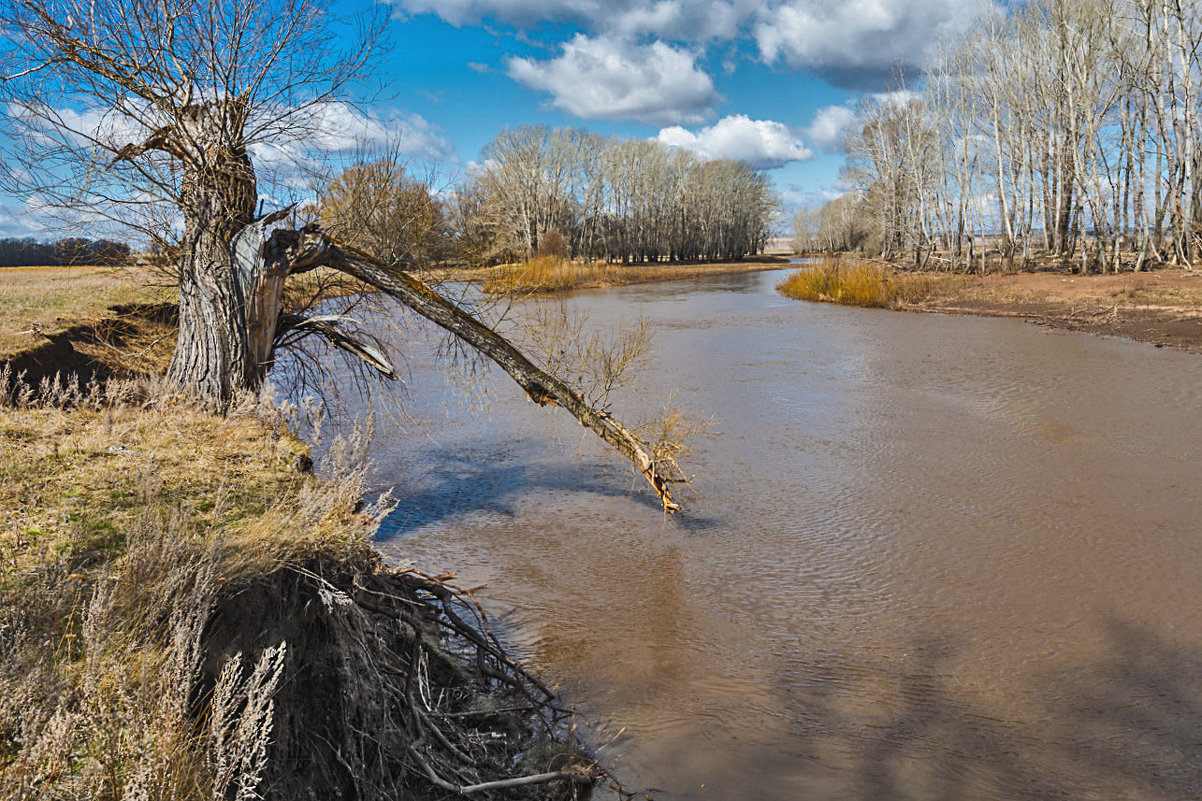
1066, 132
619, 200
28, 252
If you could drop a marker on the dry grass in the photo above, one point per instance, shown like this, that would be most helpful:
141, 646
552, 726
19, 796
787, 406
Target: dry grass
852, 282
1169, 289
73, 479
553, 274
126, 510
41, 302
550, 274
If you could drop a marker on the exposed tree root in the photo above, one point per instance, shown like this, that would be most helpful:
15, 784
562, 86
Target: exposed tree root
394, 687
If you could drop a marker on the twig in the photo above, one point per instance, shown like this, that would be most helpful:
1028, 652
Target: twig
501, 784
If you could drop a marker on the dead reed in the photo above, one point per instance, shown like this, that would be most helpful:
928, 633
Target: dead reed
854, 282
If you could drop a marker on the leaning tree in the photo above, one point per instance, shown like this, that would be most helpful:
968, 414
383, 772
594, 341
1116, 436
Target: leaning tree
152, 113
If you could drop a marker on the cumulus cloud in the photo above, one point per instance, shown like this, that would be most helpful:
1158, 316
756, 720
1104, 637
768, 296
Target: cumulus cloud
678, 20
762, 144
608, 78
854, 43
831, 124
858, 44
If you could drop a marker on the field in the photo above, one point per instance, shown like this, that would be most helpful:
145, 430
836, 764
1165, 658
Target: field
94, 320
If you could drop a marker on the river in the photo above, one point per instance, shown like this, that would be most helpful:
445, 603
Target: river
924, 556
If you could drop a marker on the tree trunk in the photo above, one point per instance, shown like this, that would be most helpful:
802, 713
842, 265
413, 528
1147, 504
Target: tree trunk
217, 353
232, 284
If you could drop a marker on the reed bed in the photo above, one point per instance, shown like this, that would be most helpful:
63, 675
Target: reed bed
856, 283
551, 274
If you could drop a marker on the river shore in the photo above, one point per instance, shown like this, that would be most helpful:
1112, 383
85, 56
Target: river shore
188, 610
1162, 307
539, 277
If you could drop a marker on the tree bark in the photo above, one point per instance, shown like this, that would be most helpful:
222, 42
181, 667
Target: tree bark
225, 311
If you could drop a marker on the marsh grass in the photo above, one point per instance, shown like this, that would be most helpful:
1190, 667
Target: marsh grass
550, 273
856, 283
556, 274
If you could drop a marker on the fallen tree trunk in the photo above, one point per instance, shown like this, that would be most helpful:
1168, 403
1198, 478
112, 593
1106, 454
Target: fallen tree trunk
310, 248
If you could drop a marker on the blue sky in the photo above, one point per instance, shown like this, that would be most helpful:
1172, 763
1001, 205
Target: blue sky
770, 82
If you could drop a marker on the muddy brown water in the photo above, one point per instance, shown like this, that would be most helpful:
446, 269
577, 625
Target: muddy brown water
928, 557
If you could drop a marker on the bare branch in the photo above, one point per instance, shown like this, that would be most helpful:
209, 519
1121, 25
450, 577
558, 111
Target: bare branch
311, 246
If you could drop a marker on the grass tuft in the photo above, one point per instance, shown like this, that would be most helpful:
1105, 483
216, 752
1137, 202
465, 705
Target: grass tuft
126, 510
856, 283
837, 281
549, 274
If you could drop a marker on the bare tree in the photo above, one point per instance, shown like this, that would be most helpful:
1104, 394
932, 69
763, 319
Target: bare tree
627, 201
1071, 123
178, 95
379, 207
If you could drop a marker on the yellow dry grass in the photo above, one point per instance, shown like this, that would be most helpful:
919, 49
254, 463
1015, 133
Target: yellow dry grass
853, 282
554, 274
123, 515
44, 301
550, 274
74, 481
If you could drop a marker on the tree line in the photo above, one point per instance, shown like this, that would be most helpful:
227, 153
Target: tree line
618, 200
1067, 128
28, 252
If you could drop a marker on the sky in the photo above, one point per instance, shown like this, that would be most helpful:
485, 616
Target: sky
771, 82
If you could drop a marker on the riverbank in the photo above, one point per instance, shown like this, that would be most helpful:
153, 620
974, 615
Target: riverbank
188, 611
1161, 307
549, 274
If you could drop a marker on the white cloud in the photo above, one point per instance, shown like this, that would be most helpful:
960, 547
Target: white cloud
342, 129
796, 198
20, 223
677, 20
858, 43
855, 43
608, 78
762, 144
831, 124
897, 98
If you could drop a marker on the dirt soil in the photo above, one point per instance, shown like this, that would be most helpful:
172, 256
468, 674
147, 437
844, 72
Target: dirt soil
1162, 307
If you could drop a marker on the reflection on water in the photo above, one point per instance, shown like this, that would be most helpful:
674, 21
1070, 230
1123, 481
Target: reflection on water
929, 557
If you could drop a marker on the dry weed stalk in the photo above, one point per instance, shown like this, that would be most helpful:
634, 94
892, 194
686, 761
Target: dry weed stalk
155, 667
